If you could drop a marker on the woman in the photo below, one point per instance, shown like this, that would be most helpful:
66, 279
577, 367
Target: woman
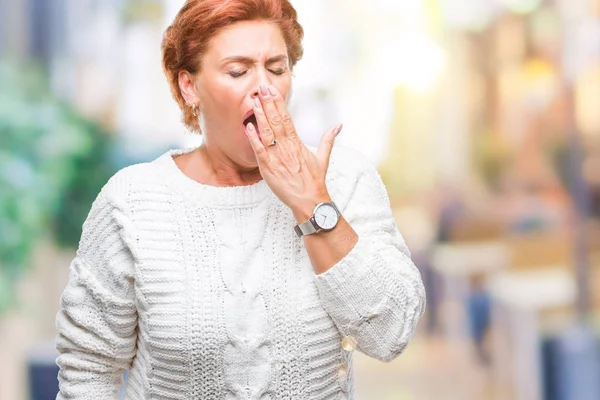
249, 267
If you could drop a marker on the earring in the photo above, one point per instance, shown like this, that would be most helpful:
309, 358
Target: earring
195, 110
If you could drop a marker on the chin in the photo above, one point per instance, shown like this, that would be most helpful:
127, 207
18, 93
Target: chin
248, 158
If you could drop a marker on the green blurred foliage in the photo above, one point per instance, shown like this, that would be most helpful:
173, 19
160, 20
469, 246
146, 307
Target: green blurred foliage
53, 163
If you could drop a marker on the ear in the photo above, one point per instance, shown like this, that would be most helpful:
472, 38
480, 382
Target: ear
187, 86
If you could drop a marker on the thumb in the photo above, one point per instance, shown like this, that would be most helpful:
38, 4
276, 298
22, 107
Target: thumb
326, 144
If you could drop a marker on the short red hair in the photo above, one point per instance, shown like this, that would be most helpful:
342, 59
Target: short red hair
186, 40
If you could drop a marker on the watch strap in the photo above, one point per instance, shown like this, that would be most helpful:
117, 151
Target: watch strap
306, 228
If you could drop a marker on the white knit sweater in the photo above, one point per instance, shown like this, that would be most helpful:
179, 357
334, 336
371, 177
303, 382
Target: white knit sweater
206, 292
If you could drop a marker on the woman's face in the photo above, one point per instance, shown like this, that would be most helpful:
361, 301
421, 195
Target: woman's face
238, 60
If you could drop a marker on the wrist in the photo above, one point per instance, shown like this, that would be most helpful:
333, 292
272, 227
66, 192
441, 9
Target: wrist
304, 210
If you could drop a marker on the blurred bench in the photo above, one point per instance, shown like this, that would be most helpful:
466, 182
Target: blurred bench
521, 301
534, 296
461, 268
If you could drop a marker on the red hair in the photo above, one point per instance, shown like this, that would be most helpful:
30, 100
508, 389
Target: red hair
186, 40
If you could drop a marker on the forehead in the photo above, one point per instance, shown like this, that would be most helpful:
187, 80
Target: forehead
255, 39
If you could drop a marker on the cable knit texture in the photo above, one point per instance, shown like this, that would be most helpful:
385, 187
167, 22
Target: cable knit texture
206, 292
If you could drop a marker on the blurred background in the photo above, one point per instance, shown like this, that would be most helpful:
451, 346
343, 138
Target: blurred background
483, 117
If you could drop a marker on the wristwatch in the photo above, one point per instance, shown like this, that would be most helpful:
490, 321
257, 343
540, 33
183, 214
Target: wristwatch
325, 217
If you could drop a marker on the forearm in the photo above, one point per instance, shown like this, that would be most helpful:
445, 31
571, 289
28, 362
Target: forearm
325, 249
375, 295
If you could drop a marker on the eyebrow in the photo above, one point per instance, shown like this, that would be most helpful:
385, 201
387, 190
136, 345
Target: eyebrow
249, 60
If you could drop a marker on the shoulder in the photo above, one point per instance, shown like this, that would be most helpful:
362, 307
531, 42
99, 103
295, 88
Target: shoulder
113, 197
134, 179
119, 186
348, 169
350, 162
347, 162
349, 166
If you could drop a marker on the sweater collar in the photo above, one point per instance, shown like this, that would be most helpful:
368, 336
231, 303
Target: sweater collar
224, 196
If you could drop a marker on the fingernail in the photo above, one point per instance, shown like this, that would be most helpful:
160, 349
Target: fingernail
338, 129
256, 103
272, 90
250, 127
263, 90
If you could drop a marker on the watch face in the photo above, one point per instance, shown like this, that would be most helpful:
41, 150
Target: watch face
326, 216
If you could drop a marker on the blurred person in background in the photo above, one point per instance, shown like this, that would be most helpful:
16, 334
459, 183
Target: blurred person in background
248, 267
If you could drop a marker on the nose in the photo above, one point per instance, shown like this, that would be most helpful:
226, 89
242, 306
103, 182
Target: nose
263, 80
256, 90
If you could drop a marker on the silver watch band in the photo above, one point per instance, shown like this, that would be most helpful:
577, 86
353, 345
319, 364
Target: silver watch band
306, 228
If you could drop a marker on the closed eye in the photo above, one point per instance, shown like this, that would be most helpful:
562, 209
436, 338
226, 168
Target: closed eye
237, 74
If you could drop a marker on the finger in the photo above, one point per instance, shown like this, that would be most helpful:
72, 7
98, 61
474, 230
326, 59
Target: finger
273, 117
326, 145
260, 151
288, 125
266, 133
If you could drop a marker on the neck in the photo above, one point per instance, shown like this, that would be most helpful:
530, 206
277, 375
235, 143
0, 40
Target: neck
223, 171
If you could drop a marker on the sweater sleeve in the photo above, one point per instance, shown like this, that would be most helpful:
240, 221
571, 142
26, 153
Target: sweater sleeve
375, 294
97, 319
